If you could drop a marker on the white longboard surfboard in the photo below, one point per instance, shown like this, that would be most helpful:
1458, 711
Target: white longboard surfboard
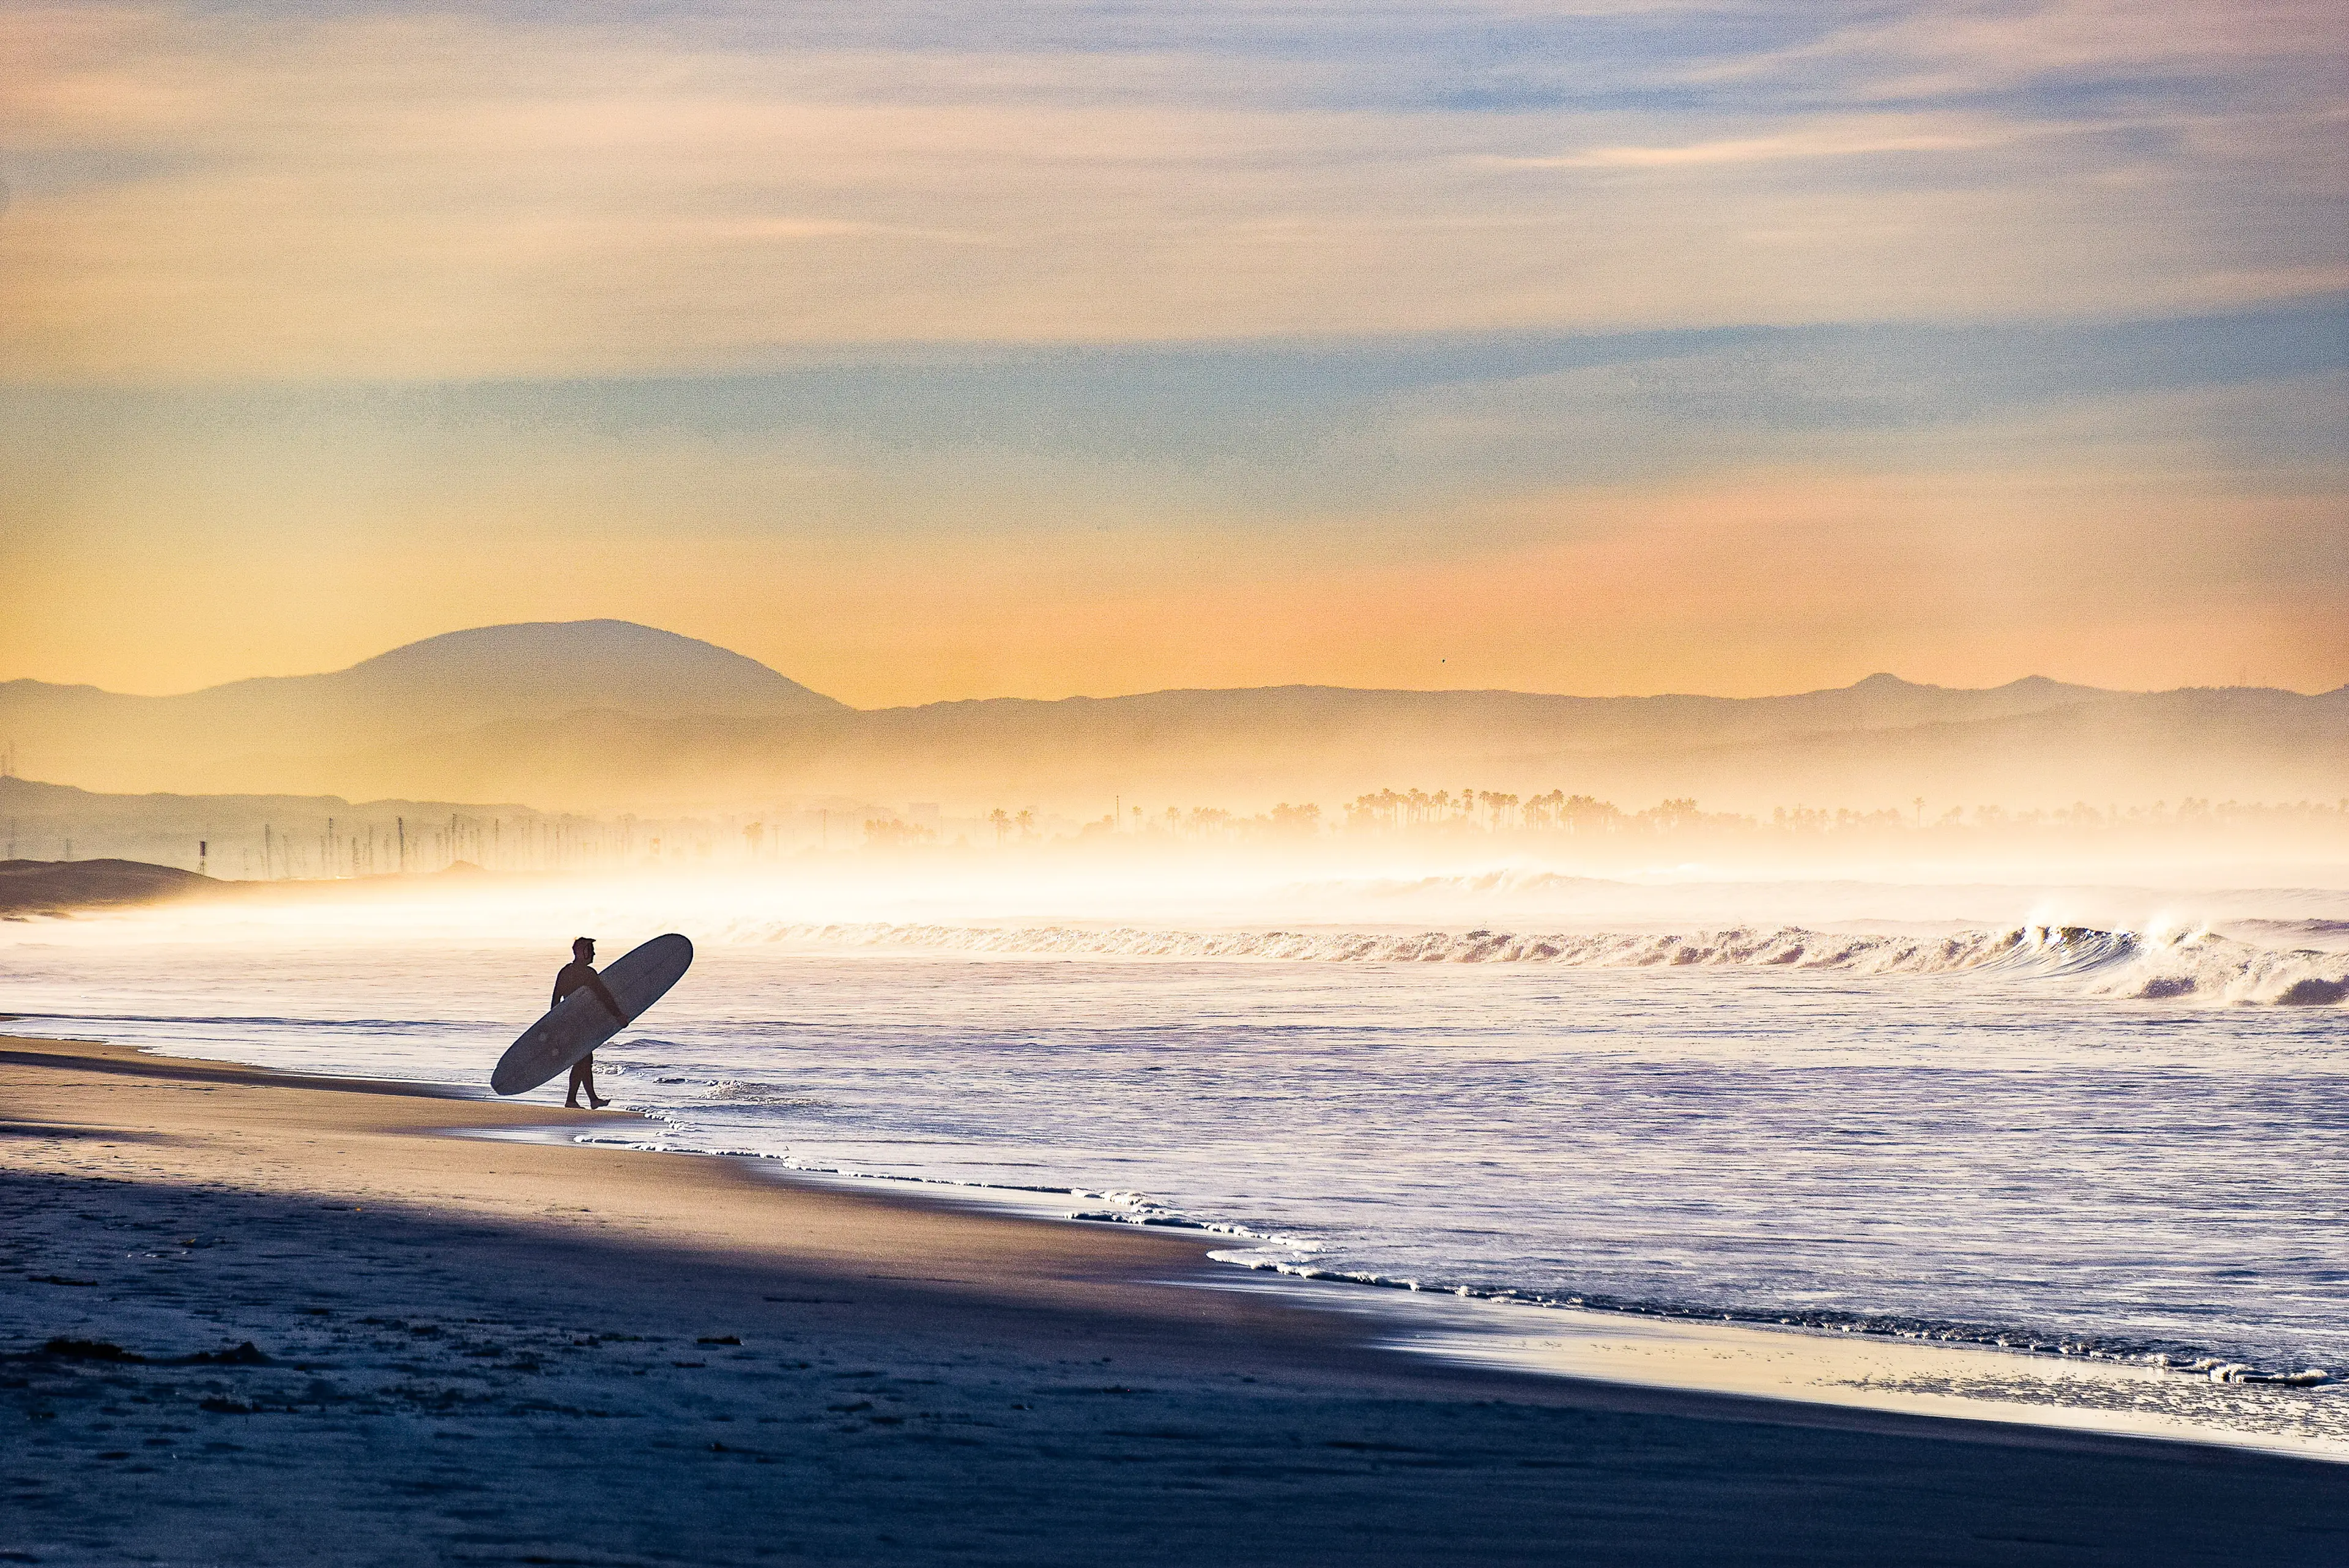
580, 1022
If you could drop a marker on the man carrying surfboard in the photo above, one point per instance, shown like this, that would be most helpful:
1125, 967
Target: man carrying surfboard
581, 972
567, 1036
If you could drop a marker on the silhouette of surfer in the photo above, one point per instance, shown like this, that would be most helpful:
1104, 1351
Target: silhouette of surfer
581, 972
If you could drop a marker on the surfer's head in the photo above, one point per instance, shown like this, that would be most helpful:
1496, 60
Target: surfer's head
583, 948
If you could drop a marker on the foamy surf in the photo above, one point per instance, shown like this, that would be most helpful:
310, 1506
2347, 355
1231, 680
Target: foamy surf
2200, 965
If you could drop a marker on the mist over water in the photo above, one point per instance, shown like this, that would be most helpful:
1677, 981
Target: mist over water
1964, 1111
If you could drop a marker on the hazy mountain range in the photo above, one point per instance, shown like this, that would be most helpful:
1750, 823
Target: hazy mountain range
606, 715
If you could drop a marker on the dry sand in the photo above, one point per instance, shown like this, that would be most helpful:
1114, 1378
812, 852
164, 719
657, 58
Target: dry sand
486, 1350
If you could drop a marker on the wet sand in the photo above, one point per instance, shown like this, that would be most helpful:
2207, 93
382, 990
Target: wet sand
491, 1350
1911, 1376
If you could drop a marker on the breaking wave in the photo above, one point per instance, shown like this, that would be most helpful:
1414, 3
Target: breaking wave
2200, 965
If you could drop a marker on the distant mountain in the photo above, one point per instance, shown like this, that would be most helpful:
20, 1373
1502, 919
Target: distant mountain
605, 716
464, 680
539, 668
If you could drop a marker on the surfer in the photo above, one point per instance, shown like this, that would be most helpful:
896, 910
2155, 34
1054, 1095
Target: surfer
579, 972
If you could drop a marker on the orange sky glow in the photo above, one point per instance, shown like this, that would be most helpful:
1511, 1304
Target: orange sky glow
930, 358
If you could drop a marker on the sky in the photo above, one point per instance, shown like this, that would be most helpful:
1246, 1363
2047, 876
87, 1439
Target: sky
928, 350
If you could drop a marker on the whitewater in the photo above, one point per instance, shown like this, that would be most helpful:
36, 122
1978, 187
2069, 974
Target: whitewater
2163, 964
2052, 1136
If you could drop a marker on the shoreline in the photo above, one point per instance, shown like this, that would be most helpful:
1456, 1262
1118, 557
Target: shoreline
276, 1209
1688, 1352
1806, 1364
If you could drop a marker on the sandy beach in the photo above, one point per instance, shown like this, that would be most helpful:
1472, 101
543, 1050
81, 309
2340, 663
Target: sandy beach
259, 1319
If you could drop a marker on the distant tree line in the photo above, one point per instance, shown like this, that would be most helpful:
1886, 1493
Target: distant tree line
1558, 813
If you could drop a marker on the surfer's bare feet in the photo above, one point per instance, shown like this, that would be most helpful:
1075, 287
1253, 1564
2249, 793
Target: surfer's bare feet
596, 1104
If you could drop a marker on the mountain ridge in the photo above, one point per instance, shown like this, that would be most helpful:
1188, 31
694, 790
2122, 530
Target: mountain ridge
423, 650
610, 715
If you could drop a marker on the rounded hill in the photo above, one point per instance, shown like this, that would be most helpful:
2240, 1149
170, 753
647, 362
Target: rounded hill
557, 666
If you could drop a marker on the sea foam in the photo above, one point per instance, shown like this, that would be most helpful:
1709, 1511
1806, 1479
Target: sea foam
2200, 965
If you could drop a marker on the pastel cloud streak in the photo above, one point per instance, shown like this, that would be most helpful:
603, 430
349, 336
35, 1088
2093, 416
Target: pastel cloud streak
257, 192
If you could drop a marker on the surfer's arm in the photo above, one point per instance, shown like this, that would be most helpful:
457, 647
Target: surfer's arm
604, 996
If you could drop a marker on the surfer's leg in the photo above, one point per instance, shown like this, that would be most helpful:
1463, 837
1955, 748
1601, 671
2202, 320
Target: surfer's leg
586, 1071
579, 1071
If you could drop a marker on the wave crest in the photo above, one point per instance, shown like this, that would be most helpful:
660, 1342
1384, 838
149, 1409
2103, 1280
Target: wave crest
2199, 965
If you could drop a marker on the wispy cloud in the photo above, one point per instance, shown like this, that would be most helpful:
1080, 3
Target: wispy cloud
261, 192
2081, 52
1857, 137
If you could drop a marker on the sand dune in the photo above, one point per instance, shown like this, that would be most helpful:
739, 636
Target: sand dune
56, 887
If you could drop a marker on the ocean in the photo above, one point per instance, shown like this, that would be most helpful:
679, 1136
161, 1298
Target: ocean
2070, 1139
